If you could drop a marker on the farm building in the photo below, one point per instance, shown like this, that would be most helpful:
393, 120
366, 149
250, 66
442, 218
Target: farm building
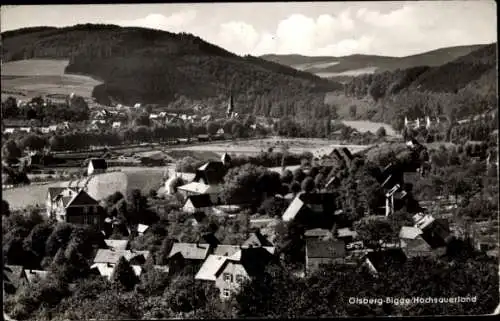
198, 203
97, 166
320, 253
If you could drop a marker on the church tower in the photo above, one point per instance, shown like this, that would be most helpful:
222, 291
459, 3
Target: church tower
230, 107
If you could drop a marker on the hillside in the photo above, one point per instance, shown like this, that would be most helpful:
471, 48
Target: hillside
157, 67
339, 67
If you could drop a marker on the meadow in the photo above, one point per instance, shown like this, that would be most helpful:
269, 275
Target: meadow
25, 79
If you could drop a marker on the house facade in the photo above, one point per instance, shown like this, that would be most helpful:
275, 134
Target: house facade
198, 204
79, 208
320, 253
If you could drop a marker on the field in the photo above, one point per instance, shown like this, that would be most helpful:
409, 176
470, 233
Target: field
318, 147
99, 186
25, 79
368, 126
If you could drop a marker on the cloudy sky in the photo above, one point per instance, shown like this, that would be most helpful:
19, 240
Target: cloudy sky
392, 28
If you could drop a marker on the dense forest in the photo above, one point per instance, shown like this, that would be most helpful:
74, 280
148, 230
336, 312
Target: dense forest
157, 67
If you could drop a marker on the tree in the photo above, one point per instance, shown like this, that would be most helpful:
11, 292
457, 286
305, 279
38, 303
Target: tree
286, 176
35, 242
32, 142
373, 231
242, 183
308, 184
298, 175
381, 132
5, 208
11, 150
212, 128
124, 274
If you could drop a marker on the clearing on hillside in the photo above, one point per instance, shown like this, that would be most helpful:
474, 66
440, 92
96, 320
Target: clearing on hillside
25, 79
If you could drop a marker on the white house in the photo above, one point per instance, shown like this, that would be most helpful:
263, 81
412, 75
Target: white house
198, 203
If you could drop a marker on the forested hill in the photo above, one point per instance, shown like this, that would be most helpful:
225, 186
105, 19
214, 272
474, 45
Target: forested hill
463, 87
465, 72
158, 67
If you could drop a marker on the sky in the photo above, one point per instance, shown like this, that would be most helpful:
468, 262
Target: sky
391, 28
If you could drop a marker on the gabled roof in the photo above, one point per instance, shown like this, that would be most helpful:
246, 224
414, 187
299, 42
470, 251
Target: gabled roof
317, 248
98, 163
55, 191
254, 260
200, 188
81, 199
31, 275
381, 259
212, 172
409, 232
113, 256
190, 251
256, 239
318, 232
199, 201
210, 267
120, 245
293, 209
226, 250
141, 228
346, 232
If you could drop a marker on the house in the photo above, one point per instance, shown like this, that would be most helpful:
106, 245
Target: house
183, 254
116, 245
53, 193
346, 234
116, 124
198, 203
256, 239
211, 173
106, 260
141, 229
9, 130
412, 242
320, 253
197, 188
318, 233
34, 275
228, 273
14, 278
203, 138
394, 199
313, 210
96, 166
380, 261
225, 250
79, 208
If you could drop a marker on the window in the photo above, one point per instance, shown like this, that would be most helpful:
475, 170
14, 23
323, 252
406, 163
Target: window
239, 278
228, 277
225, 293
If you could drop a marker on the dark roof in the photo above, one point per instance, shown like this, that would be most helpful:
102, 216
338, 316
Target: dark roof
317, 198
201, 200
98, 163
317, 248
212, 172
254, 260
54, 191
381, 260
82, 198
336, 154
436, 234
13, 274
347, 153
256, 239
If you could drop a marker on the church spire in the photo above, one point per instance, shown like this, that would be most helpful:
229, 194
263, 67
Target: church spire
230, 106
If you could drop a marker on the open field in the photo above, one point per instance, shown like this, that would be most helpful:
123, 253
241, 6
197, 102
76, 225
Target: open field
368, 126
99, 187
26, 79
318, 147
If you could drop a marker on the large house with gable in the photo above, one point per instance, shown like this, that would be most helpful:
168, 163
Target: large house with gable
75, 206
